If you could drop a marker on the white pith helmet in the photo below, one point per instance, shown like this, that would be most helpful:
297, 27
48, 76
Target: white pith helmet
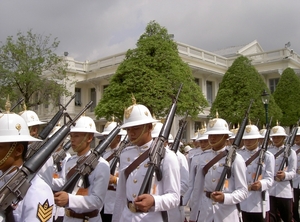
201, 134
217, 126
233, 132
263, 131
170, 139
156, 129
85, 124
195, 136
13, 128
136, 115
278, 131
30, 117
251, 132
187, 148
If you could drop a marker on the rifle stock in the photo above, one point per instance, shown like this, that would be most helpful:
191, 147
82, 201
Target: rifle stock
59, 156
226, 173
16, 188
157, 149
86, 164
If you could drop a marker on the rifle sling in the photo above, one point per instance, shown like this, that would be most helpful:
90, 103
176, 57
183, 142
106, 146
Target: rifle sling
74, 169
111, 156
213, 161
253, 157
279, 152
298, 151
136, 163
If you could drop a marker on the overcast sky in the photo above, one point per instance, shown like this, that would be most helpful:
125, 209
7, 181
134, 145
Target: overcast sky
93, 29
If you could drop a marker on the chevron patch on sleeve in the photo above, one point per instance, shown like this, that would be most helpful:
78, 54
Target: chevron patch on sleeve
44, 211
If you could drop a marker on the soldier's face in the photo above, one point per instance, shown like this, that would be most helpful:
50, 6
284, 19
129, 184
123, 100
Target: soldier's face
218, 141
297, 140
80, 141
139, 135
278, 140
10, 155
251, 144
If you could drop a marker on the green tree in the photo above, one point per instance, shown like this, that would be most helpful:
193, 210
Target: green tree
152, 72
240, 84
287, 96
30, 69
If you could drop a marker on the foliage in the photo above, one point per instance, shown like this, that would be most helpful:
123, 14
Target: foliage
152, 72
29, 68
287, 97
240, 84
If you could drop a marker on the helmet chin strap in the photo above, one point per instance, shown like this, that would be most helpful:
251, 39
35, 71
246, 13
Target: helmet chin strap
135, 141
13, 146
81, 143
217, 143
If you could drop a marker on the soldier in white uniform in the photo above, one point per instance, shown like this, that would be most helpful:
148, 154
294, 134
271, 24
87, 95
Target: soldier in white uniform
37, 204
196, 148
296, 180
83, 203
110, 197
34, 123
281, 193
212, 205
177, 214
252, 207
164, 194
204, 145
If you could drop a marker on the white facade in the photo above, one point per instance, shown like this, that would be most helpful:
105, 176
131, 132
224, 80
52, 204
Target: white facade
208, 69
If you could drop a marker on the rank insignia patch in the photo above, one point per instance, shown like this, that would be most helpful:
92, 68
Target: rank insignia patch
44, 212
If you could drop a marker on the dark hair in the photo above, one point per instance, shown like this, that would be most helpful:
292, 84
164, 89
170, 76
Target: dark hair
25, 145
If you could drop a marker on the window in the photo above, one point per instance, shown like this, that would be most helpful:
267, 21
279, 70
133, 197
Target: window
273, 83
93, 98
77, 96
209, 92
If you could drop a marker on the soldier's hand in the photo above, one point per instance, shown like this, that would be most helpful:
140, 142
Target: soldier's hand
112, 179
61, 198
144, 202
256, 186
280, 175
217, 196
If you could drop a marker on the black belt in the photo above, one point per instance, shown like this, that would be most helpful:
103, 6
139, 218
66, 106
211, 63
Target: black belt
91, 214
110, 187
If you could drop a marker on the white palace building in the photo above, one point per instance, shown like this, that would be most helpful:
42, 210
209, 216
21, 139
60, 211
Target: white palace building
208, 69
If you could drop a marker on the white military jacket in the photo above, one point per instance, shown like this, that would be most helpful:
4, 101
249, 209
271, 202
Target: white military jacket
283, 188
37, 203
177, 214
235, 189
296, 179
166, 192
253, 203
98, 180
110, 197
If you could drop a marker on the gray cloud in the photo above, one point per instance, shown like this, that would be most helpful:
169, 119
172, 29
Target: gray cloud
89, 30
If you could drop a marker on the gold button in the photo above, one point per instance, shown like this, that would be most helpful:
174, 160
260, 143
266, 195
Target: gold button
249, 172
134, 195
146, 165
138, 167
221, 164
135, 180
206, 161
214, 167
213, 180
128, 159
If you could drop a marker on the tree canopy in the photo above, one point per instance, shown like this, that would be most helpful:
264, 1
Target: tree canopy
240, 84
152, 72
287, 97
30, 69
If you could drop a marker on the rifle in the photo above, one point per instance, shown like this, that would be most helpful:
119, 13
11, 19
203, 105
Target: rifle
86, 164
157, 149
179, 134
226, 173
59, 156
16, 188
261, 158
116, 158
43, 135
287, 147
